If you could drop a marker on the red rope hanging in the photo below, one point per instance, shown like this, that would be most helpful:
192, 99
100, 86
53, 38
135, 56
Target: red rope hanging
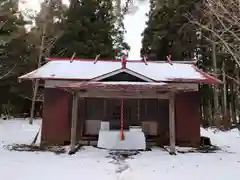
169, 59
121, 121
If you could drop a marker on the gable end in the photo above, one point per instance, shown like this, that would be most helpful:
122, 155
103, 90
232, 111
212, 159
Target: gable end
129, 73
123, 76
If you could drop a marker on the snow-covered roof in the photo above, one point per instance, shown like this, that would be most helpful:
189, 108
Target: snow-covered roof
65, 69
165, 71
80, 69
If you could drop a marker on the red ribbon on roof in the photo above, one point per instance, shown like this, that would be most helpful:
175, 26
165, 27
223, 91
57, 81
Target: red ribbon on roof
124, 62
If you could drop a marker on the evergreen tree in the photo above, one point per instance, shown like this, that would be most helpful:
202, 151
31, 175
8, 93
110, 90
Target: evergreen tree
13, 50
169, 30
11, 33
90, 29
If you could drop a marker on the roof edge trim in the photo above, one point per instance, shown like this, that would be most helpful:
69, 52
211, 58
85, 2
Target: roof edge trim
209, 78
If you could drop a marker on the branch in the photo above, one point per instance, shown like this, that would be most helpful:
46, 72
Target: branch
2, 24
51, 42
25, 97
126, 7
223, 25
234, 80
8, 73
60, 52
225, 16
219, 37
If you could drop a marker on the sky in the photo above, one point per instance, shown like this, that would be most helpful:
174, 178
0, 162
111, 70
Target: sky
134, 23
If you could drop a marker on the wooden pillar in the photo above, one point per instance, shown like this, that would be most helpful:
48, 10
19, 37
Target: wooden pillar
121, 120
105, 109
74, 122
172, 123
138, 111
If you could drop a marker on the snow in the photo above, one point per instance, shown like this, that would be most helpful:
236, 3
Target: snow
85, 69
92, 163
165, 71
63, 69
133, 140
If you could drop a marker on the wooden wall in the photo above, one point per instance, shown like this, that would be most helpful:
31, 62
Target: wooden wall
188, 119
56, 123
57, 117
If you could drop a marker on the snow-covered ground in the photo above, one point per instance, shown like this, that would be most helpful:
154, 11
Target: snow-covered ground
92, 163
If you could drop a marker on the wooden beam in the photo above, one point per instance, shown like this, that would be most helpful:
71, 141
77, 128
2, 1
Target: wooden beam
172, 137
120, 95
74, 122
171, 86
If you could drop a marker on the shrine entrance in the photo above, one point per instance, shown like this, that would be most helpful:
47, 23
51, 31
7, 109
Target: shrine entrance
124, 110
129, 113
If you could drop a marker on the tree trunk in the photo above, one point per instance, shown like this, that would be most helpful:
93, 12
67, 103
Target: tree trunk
36, 83
205, 114
204, 120
225, 114
205, 105
209, 111
233, 104
215, 89
237, 95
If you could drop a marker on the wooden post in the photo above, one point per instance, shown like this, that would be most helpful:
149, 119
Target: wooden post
172, 123
121, 120
74, 122
138, 110
104, 109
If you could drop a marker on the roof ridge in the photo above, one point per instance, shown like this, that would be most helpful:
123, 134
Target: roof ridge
119, 60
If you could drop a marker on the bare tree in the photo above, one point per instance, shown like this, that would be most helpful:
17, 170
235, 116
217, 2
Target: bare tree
46, 45
225, 15
221, 20
36, 82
